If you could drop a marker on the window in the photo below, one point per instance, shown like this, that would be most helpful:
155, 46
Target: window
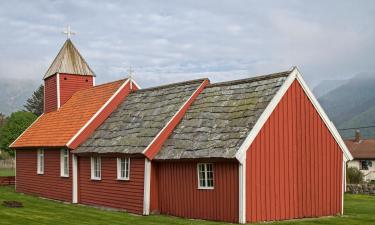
96, 168
123, 168
64, 162
40, 161
365, 164
205, 176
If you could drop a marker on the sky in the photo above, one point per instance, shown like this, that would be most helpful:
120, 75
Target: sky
172, 41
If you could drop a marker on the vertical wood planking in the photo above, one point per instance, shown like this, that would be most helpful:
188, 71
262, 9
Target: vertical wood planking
179, 194
294, 164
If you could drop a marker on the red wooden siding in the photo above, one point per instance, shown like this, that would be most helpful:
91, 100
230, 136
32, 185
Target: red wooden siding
102, 116
48, 185
155, 146
294, 165
110, 192
69, 84
50, 93
178, 192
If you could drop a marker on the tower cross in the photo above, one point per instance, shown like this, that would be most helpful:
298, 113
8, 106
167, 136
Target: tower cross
130, 72
68, 32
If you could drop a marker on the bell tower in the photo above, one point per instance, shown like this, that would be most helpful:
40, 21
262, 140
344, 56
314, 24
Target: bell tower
67, 74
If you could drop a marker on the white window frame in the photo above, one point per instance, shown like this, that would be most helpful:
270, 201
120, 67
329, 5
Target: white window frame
126, 171
40, 161
205, 187
64, 156
93, 175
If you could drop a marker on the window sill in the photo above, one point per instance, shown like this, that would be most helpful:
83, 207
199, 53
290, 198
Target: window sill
40, 173
123, 179
96, 179
64, 176
206, 188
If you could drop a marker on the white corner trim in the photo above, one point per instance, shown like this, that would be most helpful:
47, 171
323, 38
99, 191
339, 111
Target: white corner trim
75, 178
44, 96
97, 113
242, 192
58, 90
146, 189
93, 81
26, 130
241, 153
174, 116
323, 115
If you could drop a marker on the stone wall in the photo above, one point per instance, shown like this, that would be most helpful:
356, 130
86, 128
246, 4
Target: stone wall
368, 189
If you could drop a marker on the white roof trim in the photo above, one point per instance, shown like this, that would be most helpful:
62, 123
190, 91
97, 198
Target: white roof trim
323, 115
26, 130
241, 153
97, 113
294, 75
174, 116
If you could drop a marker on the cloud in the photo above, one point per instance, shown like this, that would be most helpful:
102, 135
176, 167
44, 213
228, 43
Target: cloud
168, 41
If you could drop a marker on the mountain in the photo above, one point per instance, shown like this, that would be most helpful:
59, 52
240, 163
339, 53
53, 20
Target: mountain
326, 86
352, 105
14, 92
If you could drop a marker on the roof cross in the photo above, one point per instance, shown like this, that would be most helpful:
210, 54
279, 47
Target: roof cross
130, 72
68, 32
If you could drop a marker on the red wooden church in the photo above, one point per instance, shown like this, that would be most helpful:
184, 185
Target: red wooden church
257, 149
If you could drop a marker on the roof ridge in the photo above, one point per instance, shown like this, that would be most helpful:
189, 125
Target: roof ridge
252, 79
173, 84
111, 82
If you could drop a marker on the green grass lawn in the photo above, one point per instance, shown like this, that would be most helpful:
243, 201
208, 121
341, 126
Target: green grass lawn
6, 172
359, 209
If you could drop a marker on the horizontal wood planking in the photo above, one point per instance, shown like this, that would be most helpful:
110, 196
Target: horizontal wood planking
178, 192
50, 184
70, 84
50, 93
110, 192
294, 166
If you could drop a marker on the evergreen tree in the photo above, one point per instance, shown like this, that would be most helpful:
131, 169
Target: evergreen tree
35, 103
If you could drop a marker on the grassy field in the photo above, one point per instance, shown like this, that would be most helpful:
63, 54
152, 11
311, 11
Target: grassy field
6, 172
359, 209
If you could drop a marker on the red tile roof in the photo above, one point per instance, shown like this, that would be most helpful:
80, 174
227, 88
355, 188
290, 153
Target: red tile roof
56, 128
363, 149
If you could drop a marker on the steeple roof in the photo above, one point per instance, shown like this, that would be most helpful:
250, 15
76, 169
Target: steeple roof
69, 61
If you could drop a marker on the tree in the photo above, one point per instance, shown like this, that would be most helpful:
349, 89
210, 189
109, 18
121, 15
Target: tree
354, 175
2, 119
14, 126
35, 103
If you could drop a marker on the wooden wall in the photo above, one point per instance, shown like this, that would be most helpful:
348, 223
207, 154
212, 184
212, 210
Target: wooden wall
110, 192
50, 93
294, 166
69, 84
178, 192
48, 185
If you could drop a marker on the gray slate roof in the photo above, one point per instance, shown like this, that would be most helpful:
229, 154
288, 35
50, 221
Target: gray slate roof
69, 61
138, 119
219, 120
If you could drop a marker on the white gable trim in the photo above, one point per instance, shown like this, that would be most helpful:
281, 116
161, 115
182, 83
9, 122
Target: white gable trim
241, 153
294, 75
323, 115
135, 83
97, 113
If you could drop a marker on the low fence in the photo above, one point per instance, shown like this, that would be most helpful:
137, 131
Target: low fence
10, 180
367, 189
7, 163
